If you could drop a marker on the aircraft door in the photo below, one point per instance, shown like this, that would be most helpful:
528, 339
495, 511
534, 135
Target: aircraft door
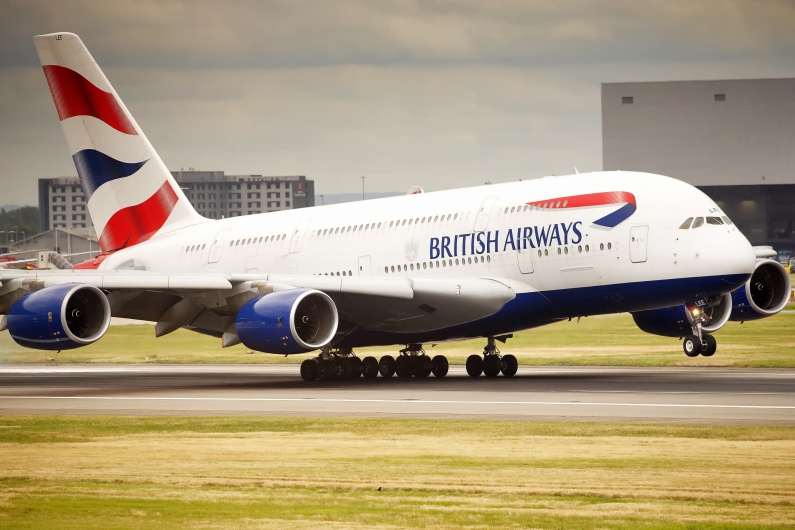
217, 246
365, 268
482, 220
298, 236
638, 237
525, 260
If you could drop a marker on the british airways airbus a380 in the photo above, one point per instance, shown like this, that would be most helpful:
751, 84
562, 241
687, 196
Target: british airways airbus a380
411, 270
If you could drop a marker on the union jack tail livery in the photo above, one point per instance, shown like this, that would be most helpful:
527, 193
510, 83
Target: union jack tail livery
131, 196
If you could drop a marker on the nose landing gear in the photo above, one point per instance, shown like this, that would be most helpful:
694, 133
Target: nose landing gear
492, 363
699, 343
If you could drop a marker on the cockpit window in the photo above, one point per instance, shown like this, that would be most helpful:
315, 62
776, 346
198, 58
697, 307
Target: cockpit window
727, 220
686, 224
698, 222
714, 221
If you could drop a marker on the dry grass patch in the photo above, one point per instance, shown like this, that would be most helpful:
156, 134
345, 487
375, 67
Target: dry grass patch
266, 473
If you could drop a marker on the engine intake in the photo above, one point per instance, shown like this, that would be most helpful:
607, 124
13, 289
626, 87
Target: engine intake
61, 317
288, 322
678, 322
765, 294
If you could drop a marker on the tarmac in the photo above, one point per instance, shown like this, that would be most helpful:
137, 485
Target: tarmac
678, 395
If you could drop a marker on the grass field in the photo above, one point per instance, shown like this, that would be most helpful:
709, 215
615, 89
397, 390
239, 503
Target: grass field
605, 340
84, 472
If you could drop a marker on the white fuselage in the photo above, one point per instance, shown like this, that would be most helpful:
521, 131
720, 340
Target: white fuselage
486, 231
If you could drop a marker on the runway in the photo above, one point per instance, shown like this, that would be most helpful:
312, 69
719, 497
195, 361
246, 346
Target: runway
688, 395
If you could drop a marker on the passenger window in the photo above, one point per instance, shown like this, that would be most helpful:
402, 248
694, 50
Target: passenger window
714, 221
727, 220
698, 222
686, 224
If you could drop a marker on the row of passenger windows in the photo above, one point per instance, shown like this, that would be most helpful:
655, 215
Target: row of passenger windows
437, 264
265, 239
531, 207
699, 221
373, 226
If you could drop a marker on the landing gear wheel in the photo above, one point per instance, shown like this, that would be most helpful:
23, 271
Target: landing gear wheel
387, 366
474, 365
351, 368
509, 365
440, 366
691, 345
309, 370
325, 371
491, 366
370, 367
711, 345
403, 367
426, 367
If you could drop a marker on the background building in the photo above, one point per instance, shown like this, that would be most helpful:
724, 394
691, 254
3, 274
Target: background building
212, 193
733, 139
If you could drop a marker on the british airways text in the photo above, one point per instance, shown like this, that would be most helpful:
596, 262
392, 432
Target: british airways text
516, 239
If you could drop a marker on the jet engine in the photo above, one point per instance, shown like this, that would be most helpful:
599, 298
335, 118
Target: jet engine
678, 321
288, 322
764, 295
61, 317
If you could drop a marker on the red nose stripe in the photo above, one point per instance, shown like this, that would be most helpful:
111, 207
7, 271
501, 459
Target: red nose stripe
74, 95
136, 224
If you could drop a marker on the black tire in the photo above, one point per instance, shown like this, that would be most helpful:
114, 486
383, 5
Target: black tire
325, 370
351, 368
691, 346
426, 367
492, 366
711, 346
474, 365
509, 365
309, 370
440, 366
370, 367
403, 367
386, 366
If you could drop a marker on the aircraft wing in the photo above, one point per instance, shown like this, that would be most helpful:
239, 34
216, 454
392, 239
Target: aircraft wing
209, 302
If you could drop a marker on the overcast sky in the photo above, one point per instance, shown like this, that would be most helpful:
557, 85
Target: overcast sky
440, 94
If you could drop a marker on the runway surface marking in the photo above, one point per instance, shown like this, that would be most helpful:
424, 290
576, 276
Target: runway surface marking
405, 401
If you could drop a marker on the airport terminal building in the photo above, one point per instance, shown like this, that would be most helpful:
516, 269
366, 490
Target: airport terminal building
213, 194
733, 139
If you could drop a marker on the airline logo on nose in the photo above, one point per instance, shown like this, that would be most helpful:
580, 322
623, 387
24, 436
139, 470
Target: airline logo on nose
590, 200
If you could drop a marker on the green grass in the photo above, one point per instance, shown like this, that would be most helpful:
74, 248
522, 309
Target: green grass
101, 472
608, 341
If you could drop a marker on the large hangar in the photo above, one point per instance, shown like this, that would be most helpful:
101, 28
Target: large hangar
733, 139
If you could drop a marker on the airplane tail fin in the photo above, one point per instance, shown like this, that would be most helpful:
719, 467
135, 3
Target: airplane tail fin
130, 194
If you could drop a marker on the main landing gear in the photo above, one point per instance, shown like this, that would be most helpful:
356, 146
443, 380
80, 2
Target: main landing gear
492, 363
343, 364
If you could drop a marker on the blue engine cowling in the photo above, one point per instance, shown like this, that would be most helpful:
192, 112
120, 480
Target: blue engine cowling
62, 317
287, 322
678, 322
765, 294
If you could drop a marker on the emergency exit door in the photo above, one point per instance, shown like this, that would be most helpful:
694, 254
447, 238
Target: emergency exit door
638, 239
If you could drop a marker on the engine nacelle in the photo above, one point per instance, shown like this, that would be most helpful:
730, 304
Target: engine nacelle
62, 317
287, 322
765, 294
678, 322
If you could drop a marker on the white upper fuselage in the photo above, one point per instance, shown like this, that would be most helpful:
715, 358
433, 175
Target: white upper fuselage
395, 237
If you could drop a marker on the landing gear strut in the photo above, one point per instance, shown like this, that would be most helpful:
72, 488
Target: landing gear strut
699, 343
492, 363
414, 362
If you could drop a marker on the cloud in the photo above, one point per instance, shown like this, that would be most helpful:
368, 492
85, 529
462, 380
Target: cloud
436, 93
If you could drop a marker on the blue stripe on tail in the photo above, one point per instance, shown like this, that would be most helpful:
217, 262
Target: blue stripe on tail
95, 169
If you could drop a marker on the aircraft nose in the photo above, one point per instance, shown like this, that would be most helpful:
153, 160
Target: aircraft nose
728, 255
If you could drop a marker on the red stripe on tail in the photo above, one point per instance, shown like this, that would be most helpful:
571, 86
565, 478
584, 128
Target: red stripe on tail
136, 224
74, 95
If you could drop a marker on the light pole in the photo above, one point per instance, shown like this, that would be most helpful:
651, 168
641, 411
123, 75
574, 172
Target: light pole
363, 187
